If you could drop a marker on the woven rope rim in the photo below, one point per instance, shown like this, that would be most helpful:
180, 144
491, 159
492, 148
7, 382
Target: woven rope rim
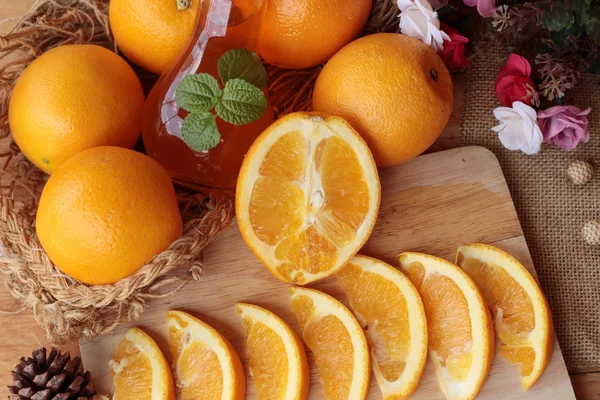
67, 309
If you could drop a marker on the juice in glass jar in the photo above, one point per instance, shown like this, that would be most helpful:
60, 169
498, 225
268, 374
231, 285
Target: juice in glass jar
222, 25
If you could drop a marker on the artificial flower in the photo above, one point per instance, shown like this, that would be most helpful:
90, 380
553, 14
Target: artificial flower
565, 126
518, 128
453, 53
418, 20
485, 8
513, 82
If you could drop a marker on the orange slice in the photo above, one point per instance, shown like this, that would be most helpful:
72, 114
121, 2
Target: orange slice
307, 196
206, 365
276, 357
461, 336
520, 311
389, 308
139, 370
337, 341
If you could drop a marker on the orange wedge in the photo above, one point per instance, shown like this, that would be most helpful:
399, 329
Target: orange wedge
276, 357
206, 365
520, 311
389, 308
461, 335
337, 341
139, 370
307, 196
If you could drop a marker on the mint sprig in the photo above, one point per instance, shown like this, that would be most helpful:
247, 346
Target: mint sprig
240, 102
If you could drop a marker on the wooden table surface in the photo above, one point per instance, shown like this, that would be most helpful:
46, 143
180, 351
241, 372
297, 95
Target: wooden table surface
19, 334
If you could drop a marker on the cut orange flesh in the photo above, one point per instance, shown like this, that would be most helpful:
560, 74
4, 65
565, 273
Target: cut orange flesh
276, 357
337, 341
139, 370
519, 309
389, 308
307, 196
206, 365
461, 336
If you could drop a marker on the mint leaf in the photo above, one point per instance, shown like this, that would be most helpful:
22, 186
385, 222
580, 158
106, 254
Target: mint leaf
241, 103
198, 93
242, 64
200, 131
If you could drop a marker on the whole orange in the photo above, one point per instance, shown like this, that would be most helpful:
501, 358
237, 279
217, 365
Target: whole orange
393, 89
153, 33
303, 33
72, 98
105, 213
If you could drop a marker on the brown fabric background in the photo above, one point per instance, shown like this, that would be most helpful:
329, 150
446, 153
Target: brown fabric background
552, 211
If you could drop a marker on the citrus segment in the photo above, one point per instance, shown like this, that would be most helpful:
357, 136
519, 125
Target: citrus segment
276, 358
520, 312
307, 196
206, 365
390, 310
337, 342
139, 370
461, 338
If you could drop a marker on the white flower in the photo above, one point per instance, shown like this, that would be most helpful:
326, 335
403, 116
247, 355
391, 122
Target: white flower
418, 20
518, 128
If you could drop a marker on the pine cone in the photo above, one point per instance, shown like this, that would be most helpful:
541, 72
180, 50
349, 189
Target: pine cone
55, 377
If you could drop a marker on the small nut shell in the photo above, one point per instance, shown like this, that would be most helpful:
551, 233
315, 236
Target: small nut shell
580, 172
591, 232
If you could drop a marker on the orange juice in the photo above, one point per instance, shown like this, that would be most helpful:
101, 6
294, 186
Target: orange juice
222, 25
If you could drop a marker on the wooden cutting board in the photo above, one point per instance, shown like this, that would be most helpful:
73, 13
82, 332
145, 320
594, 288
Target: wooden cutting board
431, 204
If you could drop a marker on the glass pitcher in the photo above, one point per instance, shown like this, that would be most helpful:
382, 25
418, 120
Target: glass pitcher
221, 25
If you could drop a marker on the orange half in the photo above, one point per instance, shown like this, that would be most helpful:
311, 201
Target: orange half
519, 309
307, 196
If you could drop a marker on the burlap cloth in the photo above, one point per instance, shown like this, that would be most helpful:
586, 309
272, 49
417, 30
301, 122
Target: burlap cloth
551, 209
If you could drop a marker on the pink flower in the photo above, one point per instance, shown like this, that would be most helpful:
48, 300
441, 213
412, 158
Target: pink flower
453, 52
485, 8
513, 82
565, 126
